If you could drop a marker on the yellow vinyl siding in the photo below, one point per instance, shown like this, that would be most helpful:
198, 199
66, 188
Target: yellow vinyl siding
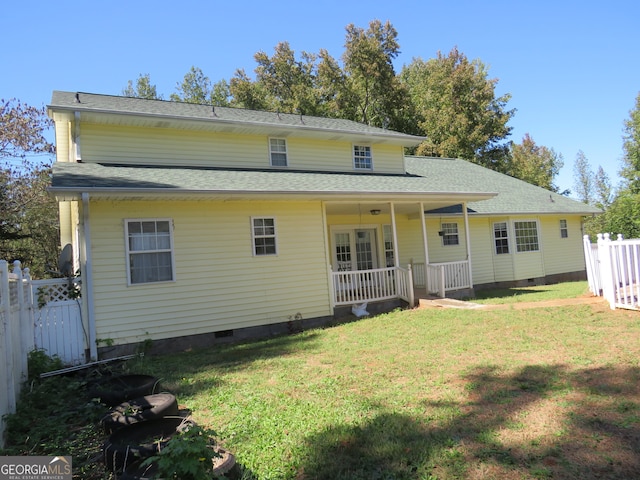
137, 145
562, 254
219, 284
481, 233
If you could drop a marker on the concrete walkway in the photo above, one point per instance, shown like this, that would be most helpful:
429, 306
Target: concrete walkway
453, 303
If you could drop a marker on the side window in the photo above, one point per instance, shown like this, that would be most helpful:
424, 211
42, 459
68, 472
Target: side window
501, 237
278, 152
263, 231
362, 157
387, 238
526, 236
450, 234
149, 246
564, 230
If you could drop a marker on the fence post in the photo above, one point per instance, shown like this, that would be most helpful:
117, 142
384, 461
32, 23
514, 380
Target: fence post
606, 269
5, 295
23, 320
410, 286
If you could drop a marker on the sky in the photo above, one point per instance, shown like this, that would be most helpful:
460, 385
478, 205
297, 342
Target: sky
572, 68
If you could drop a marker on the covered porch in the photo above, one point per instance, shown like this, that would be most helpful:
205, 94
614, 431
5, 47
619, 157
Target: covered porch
381, 251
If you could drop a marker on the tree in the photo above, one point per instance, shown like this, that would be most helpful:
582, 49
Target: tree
534, 164
374, 94
289, 83
603, 189
143, 88
246, 93
195, 88
583, 179
458, 110
631, 147
29, 222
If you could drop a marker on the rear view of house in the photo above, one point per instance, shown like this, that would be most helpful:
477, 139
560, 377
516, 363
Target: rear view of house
192, 222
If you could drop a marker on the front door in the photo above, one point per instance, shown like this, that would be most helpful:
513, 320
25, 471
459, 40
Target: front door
355, 249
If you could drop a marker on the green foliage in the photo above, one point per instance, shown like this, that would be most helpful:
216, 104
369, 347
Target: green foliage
53, 416
39, 362
195, 88
623, 216
458, 110
534, 164
188, 455
143, 88
631, 146
29, 220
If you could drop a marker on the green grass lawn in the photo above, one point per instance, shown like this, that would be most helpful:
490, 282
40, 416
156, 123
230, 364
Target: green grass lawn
531, 294
427, 394
432, 393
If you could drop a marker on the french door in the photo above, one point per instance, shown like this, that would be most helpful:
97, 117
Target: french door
355, 249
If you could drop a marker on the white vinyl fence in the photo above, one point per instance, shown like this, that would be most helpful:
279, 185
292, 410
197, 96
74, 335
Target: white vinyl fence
16, 338
34, 314
613, 270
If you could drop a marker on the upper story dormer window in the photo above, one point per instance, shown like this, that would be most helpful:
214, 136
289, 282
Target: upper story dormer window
278, 152
362, 157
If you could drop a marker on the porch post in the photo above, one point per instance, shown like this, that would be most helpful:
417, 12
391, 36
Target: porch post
425, 244
468, 237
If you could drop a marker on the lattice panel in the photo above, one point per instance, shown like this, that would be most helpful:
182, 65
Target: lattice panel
56, 293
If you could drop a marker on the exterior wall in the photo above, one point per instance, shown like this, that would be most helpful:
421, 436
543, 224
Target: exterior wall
137, 145
562, 254
219, 284
557, 256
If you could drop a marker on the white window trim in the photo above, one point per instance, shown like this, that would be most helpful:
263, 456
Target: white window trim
515, 239
128, 251
254, 236
508, 238
286, 152
353, 157
456, 234
565, 228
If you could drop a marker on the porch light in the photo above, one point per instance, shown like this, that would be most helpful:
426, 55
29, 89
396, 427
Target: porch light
375, 211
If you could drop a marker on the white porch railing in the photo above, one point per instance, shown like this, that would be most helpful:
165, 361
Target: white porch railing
439, 278
359, 286
614, 272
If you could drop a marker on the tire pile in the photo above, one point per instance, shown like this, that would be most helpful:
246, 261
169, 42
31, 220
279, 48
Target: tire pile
140, 423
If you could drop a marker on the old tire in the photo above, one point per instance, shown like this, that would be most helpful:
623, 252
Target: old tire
115, 390
139, 441
140, 409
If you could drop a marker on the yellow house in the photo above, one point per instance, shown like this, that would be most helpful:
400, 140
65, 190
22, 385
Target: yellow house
192, 223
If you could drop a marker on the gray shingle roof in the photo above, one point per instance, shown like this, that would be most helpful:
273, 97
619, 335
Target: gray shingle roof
514, 196
425, 177
90, 102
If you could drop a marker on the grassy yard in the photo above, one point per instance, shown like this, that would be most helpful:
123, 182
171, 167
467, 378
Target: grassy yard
428, 394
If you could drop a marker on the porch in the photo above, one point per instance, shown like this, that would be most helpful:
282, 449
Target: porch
382, 251
374, 285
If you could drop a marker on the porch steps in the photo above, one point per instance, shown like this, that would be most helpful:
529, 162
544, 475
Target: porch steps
437, 302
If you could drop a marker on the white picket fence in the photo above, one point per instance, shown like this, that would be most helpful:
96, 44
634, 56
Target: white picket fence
16, 338
613, 270
34, 314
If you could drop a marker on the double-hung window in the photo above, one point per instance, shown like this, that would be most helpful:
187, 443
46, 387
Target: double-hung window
450, 234
501, 237
263, 230
526, 236
278, 152
362, 157
149, 250
564, 230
